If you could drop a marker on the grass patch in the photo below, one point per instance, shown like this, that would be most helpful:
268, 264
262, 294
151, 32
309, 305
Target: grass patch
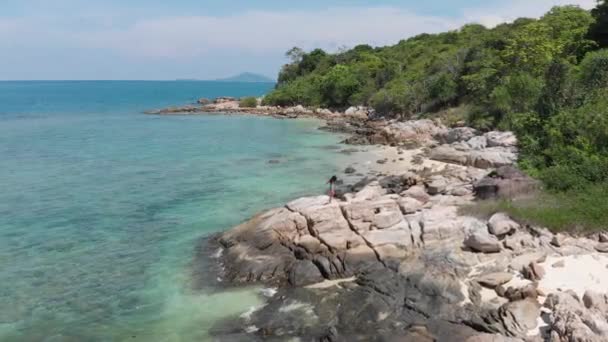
576, 211
248, 102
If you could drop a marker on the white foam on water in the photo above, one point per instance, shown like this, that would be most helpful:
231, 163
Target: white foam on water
218, 253
268, 292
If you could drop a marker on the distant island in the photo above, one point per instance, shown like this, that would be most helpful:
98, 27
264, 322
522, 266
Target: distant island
247, 77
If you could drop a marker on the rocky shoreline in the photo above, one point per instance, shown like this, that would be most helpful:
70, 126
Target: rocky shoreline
397, 259
230, 105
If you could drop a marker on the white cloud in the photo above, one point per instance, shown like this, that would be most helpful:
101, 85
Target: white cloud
263, 32
514, 9
183, 39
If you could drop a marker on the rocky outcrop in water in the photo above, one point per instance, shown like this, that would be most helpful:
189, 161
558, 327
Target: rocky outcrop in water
230, 105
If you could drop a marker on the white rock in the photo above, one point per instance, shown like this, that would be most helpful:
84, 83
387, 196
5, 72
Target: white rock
478, 143
480, 240
409, 205
501, 139
500, 224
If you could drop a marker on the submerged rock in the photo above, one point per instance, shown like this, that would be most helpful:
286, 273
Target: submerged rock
350, 170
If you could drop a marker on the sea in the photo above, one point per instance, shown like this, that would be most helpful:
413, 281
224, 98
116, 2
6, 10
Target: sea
102, 207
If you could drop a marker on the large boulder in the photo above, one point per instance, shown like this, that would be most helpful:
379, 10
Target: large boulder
492, 280
520, 317
515, 319
480, 240
464, 155
595, 300
358, 112
449, 154
409, 205
437, 185
501, 139
299, 109
505, 182
417, 192
500, 224
533, 271
478, 143
457, 134
491, 158
415, 132
324, 112
253, 250
371, 191
571, 321
442, 224
602, 247
304, 272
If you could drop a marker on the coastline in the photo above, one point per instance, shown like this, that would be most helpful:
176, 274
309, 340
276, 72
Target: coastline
398, 221
428, 180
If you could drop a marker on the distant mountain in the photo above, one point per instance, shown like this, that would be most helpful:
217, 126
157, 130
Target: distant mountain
247, 77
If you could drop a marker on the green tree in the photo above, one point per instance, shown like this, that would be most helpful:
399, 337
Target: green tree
517, 94
295, 54
310, 61
577, 146
557, 91
338, 85
569, 25
599, 30
395, 100
594, 70
443, 88
531, 48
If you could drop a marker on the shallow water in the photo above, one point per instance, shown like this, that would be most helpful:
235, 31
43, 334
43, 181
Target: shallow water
101, 206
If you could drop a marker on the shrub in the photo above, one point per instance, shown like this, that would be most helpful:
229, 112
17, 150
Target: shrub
594, 70
518, 93
248, 102
558, 90
394, 100
443, 88
480, 119
303, 90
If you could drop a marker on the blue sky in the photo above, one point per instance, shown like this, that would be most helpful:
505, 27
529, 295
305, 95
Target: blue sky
146, 39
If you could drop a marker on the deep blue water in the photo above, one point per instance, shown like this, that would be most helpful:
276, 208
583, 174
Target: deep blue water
101, 206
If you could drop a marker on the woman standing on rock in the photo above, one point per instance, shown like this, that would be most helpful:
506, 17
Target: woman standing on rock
332, 187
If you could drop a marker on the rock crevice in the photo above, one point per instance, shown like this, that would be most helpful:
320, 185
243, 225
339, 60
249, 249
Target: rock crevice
397, 258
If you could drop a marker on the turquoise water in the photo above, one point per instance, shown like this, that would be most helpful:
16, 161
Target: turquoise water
101, 206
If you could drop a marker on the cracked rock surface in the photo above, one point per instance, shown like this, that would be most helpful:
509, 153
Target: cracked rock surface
397, 261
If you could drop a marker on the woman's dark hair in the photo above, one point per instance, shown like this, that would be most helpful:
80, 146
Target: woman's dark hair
333, 179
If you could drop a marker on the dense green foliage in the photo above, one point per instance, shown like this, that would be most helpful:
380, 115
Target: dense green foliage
599, 30
545, 79
248, 102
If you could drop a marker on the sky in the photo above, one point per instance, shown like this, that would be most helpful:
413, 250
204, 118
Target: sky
208, 39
